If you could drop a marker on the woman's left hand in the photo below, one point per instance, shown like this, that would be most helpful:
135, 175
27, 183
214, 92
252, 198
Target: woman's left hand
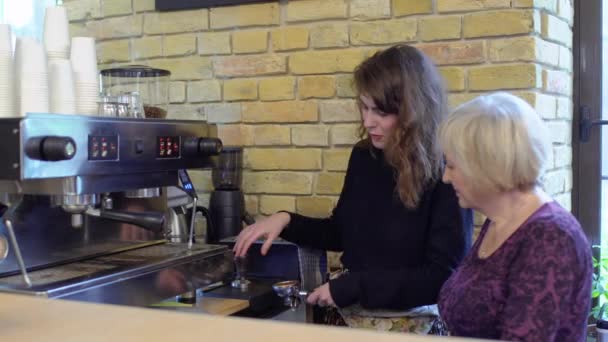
321, 296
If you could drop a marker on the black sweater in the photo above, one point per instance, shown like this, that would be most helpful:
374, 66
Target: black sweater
397, 258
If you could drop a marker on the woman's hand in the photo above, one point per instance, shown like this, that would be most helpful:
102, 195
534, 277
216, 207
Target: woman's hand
321, 296
269, 228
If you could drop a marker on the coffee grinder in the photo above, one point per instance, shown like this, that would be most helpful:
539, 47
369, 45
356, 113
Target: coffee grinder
227, 202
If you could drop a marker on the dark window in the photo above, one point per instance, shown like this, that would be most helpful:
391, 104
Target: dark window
172, 5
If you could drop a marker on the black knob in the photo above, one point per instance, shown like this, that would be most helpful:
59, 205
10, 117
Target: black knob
201, 146
51, 148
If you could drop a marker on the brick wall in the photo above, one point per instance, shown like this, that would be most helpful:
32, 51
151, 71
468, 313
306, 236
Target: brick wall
276, 76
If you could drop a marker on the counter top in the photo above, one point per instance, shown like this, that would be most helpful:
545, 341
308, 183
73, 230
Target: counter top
26, 318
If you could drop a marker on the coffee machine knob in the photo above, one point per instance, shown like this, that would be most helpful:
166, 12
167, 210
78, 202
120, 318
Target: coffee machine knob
51, 148
201, 146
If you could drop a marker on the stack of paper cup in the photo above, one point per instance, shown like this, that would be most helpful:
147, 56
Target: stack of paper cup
86, 79
56, 33
62, 98
31, 77
7, 94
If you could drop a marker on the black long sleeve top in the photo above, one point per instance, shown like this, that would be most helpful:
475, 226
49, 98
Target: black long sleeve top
397, 258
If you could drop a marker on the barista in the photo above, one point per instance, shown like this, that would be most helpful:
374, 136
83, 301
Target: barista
399, 227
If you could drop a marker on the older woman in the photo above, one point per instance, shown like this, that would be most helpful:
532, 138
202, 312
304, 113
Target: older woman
528, 275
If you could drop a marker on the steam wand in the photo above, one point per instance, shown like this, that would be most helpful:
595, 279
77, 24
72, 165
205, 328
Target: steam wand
188, 188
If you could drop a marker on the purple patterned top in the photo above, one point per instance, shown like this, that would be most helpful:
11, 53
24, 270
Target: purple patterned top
535, 287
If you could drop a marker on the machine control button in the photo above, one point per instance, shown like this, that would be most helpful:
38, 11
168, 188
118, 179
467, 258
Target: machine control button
51, 148
139, 146
193, 146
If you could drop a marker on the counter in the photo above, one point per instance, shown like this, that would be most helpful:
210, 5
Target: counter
25, 318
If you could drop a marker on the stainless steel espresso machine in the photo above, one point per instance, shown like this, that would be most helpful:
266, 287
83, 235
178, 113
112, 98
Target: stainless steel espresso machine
87, 216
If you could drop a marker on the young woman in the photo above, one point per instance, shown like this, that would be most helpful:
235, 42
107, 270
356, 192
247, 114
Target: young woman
399, 227
528, 276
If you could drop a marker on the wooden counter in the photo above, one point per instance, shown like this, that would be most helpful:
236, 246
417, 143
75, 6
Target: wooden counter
25, 318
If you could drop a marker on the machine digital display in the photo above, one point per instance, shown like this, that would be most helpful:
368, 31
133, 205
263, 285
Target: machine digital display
103, 147
168, 147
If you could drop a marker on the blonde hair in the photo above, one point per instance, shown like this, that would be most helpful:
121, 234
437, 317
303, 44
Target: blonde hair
404, 81
498, 141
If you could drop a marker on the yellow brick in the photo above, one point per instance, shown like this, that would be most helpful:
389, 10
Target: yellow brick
329, 35
310, 135
408, 7
214, 43
179, 45
277, 88
383, 32
250, 41
174, 22
224, 113
80, 29
252, 204
511, 76
550, 5
336, 159
83, 10
271, 204
545, 105
316, 86
118, 27
513, 49
556, 29
280, 111
240, 89
454, 52
565, 10
200, 180
345, 86
325, 62
113, 51
470, 5
345, 134
485, 24
315, 206
290, 183
204, 91
147, 47
289, 38
329, 183
271, 135
186, 112
454, 78
564, 108
305, 10
116, 7
249, 65
557, 81
283, 159
144, 5
370, 9
244, 15
339, 111
444, 27
235, 135
185, 68
565, 58
177, 92
455, 100
524, 49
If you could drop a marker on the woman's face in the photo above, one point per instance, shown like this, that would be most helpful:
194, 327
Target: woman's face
453, 174
379, 125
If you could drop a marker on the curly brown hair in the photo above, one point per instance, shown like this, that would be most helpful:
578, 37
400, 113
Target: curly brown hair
402, 80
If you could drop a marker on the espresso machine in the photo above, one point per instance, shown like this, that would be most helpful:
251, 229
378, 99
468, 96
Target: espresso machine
86, 213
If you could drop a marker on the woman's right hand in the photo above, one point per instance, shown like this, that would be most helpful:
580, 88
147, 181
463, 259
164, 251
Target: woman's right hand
269, 228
